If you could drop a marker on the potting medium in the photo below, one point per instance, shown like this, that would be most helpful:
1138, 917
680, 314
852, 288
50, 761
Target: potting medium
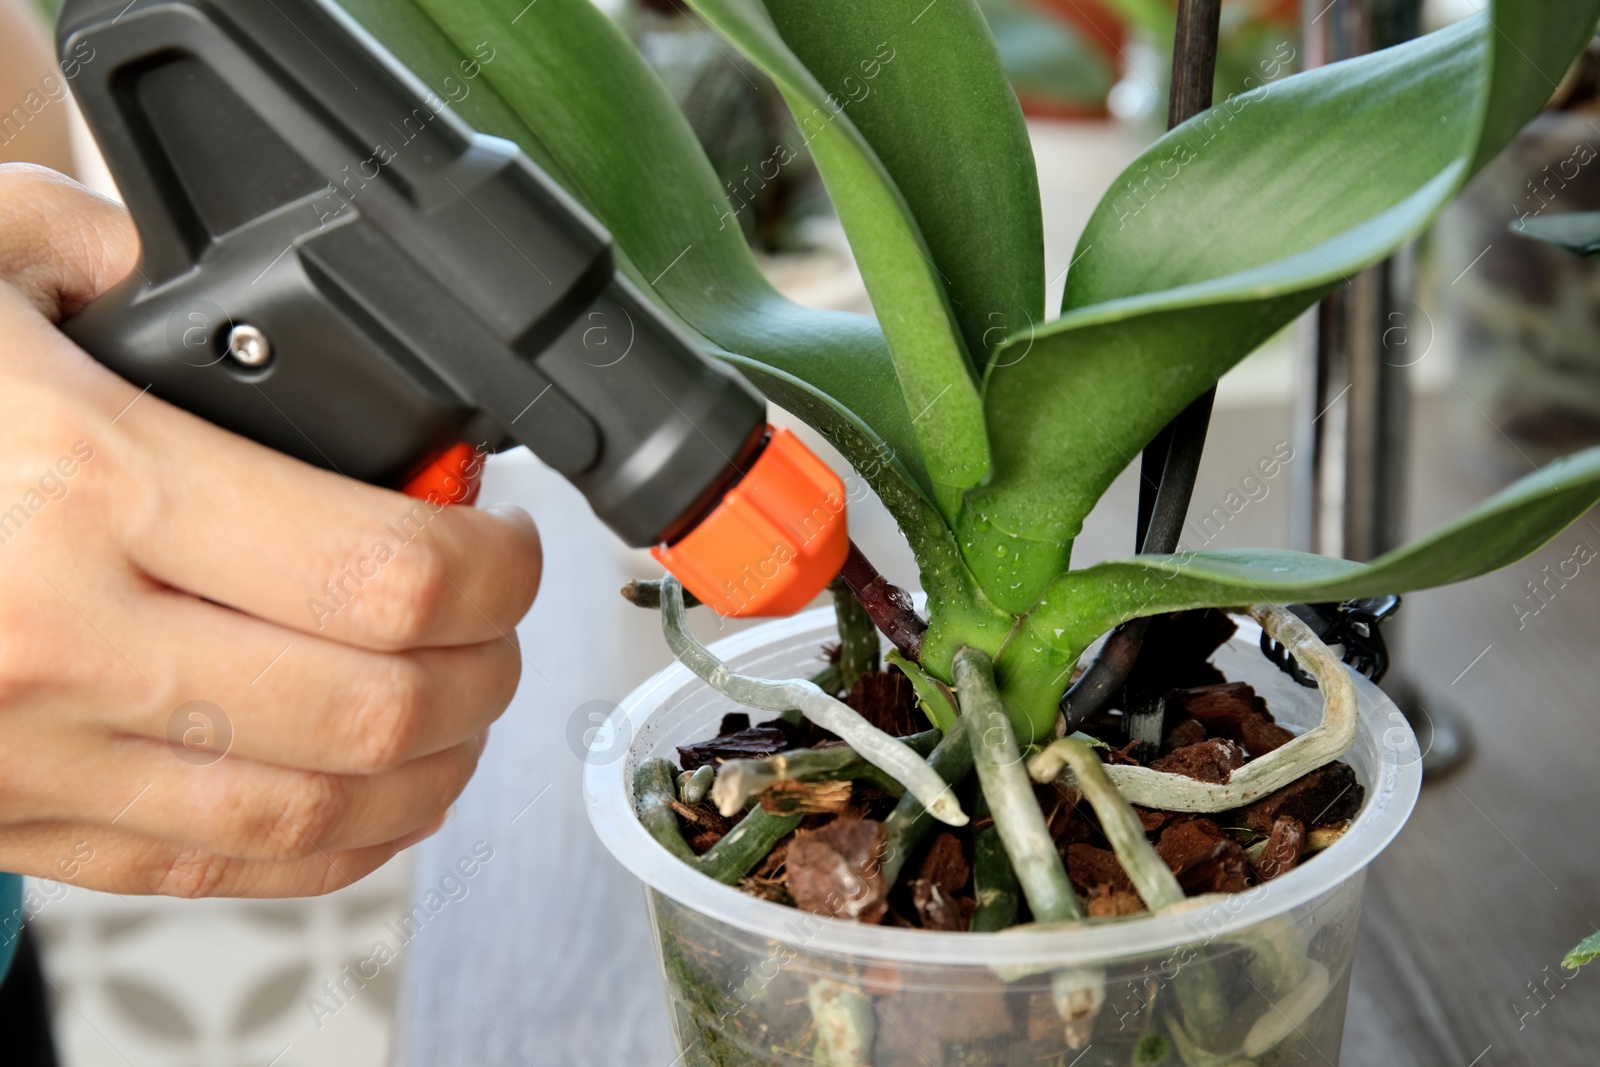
1255, 978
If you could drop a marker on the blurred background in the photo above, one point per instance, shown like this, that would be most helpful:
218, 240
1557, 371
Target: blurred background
1498, 347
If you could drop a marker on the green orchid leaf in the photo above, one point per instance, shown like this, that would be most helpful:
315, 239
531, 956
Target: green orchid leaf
444, 67
620, 146
1080, 605
1577, 232
960, 157
1535, 42
1219, 235
935, 698
907, 290
570, 89
1018, 531
1587, 951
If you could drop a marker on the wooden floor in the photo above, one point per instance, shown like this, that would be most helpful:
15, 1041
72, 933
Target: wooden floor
547, 959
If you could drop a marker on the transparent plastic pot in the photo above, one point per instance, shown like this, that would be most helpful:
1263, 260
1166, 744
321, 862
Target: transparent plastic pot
1257, 978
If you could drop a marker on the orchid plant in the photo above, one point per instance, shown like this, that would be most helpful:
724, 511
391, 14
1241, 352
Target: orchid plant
988, 428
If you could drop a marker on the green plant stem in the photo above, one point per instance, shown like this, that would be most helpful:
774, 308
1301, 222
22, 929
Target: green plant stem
994, 883
1201, 1000
1154, 881
738, 780
746, 845
875, 746
859, 646
654, 790
1009, 792
908, 823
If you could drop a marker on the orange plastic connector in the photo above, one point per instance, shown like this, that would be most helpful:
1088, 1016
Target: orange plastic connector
776, 540
453, 478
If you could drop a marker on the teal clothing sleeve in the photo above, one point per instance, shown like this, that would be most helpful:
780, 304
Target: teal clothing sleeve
11, 924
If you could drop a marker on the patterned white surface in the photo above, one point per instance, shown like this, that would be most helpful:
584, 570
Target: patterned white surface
154, 982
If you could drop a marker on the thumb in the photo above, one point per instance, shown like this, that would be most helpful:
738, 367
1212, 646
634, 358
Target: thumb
60, 244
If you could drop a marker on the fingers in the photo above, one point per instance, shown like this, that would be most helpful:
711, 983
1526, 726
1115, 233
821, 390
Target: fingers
120, 861
60, 244
307, 702
223, 518
237, 523
240, 808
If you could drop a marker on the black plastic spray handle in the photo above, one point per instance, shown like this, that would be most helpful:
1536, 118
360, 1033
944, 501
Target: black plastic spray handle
336, 266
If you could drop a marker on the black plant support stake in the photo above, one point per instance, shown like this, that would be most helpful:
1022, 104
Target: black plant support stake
1194, 72
1172, 459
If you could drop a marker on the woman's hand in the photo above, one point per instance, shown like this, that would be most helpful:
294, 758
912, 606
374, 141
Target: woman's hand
222, 671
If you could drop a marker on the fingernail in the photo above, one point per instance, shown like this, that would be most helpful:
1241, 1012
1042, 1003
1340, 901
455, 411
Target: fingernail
512, 512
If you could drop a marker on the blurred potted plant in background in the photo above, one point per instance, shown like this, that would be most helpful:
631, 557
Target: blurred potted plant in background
739, 118
1258, 42
1061, 57
1525, 314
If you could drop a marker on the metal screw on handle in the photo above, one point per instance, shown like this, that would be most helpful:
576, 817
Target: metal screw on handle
248, 346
